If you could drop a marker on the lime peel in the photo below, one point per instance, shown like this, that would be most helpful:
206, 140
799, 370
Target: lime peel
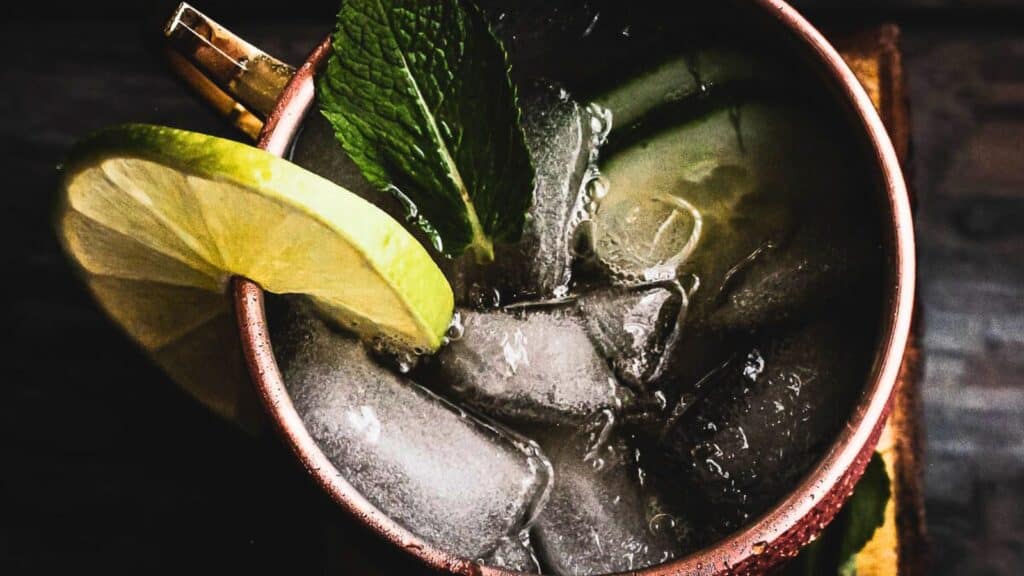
150, 213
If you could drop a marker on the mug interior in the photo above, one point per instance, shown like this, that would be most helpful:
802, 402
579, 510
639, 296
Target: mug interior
792, 522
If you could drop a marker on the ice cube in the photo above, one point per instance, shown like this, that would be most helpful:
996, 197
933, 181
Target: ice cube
515, 553
560, 140
454, 480
636, 330
600, 516
784, 282
535, 366
765, 418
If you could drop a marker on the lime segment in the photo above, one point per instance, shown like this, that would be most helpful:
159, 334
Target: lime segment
159, 219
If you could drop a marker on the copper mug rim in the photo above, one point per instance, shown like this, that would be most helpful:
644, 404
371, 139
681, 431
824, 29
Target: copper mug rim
787, 526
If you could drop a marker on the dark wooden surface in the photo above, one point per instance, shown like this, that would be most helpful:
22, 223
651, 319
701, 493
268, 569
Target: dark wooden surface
967, 91
108, 466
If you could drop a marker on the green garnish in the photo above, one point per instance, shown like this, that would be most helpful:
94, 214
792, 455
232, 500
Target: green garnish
419, 95
835, 551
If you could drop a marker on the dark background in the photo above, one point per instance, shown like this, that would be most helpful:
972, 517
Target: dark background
107, 466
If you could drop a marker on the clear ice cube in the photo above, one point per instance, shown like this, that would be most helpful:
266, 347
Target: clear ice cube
533, 366
636, 330
561, 142
764, 418
454, 480
600, 516
782, 283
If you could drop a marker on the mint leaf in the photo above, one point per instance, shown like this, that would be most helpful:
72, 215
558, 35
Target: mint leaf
419, 95
835, 551
863, 513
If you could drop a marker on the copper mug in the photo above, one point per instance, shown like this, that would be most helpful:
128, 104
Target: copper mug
268, 100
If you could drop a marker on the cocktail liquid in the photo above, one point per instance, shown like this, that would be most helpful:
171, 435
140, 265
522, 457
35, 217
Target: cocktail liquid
679, 335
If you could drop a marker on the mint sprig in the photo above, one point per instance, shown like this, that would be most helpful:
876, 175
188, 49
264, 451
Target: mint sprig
419, 95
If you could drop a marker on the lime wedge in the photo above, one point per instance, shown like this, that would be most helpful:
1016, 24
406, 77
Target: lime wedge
159, 219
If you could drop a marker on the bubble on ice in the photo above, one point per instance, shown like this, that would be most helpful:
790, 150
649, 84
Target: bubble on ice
452, 479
